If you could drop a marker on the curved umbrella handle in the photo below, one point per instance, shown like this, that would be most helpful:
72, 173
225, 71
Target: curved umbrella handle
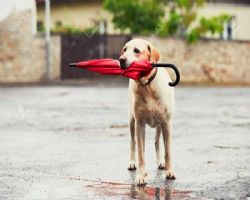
177, 73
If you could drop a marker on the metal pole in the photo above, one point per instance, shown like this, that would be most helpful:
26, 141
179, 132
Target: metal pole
47, 39
102, 39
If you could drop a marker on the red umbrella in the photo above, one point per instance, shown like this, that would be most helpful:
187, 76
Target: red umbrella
136, 70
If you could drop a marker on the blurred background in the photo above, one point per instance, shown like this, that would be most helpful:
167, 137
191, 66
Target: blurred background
64, 132
207, 40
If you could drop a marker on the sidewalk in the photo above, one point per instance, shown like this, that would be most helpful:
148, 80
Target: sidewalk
72, 142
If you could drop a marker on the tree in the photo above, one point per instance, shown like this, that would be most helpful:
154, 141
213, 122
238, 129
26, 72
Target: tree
137, 17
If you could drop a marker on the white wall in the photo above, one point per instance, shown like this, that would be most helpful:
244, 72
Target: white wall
10, 6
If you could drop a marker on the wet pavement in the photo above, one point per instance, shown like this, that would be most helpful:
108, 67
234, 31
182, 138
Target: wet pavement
72, 142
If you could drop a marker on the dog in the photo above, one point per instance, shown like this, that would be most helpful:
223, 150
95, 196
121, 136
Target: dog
151, 101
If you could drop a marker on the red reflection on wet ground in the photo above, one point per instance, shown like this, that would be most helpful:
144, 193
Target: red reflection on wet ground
131, 191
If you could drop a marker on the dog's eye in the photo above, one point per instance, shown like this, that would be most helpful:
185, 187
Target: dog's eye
136, 50
125, 49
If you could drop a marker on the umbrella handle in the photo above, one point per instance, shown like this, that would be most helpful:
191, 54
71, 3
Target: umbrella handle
177, 73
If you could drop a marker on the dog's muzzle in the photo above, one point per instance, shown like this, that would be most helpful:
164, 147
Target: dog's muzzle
122, 63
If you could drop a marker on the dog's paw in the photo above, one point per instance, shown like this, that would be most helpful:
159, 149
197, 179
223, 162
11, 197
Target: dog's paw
141, 179
131, 167
161, 166
170, 174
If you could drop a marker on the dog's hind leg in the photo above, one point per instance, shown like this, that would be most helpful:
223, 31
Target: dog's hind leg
160, 163
132, 145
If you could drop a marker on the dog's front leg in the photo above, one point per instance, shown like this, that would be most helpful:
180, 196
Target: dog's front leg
166, 131
132, 144
140, 134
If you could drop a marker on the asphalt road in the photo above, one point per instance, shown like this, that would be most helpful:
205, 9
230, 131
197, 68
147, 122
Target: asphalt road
72, 142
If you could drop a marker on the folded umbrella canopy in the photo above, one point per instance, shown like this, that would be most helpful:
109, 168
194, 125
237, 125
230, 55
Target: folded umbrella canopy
135, 71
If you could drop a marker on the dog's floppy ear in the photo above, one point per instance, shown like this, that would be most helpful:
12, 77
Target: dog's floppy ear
154, 54
123, 50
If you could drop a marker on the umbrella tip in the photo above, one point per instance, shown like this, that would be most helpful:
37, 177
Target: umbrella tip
72, 64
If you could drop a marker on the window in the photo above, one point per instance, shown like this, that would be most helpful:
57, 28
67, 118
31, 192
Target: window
40, 26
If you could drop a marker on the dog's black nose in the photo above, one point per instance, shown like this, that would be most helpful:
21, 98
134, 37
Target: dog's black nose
122, 63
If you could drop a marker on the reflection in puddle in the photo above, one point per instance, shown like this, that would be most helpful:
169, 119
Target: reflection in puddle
112, 190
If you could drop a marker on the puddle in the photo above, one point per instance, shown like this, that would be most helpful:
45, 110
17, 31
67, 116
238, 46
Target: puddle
118, 135
244, 125
118, 126
225, 147
111, 190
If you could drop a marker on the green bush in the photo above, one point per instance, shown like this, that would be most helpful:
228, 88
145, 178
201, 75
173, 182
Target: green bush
149, 17
213, 25
68, 29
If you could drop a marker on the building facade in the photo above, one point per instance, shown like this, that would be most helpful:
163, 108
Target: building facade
89, 13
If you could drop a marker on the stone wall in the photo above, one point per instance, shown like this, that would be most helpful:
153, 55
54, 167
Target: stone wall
208, 61
22, 54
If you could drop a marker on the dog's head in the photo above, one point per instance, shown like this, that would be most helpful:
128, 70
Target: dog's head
136, 50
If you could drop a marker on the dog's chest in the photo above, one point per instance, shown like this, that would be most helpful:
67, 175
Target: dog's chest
150, 107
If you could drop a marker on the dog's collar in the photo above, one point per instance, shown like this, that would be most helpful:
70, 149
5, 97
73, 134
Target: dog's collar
149, 78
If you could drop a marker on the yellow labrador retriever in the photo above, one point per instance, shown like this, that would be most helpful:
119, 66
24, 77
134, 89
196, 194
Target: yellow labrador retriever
151, 102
